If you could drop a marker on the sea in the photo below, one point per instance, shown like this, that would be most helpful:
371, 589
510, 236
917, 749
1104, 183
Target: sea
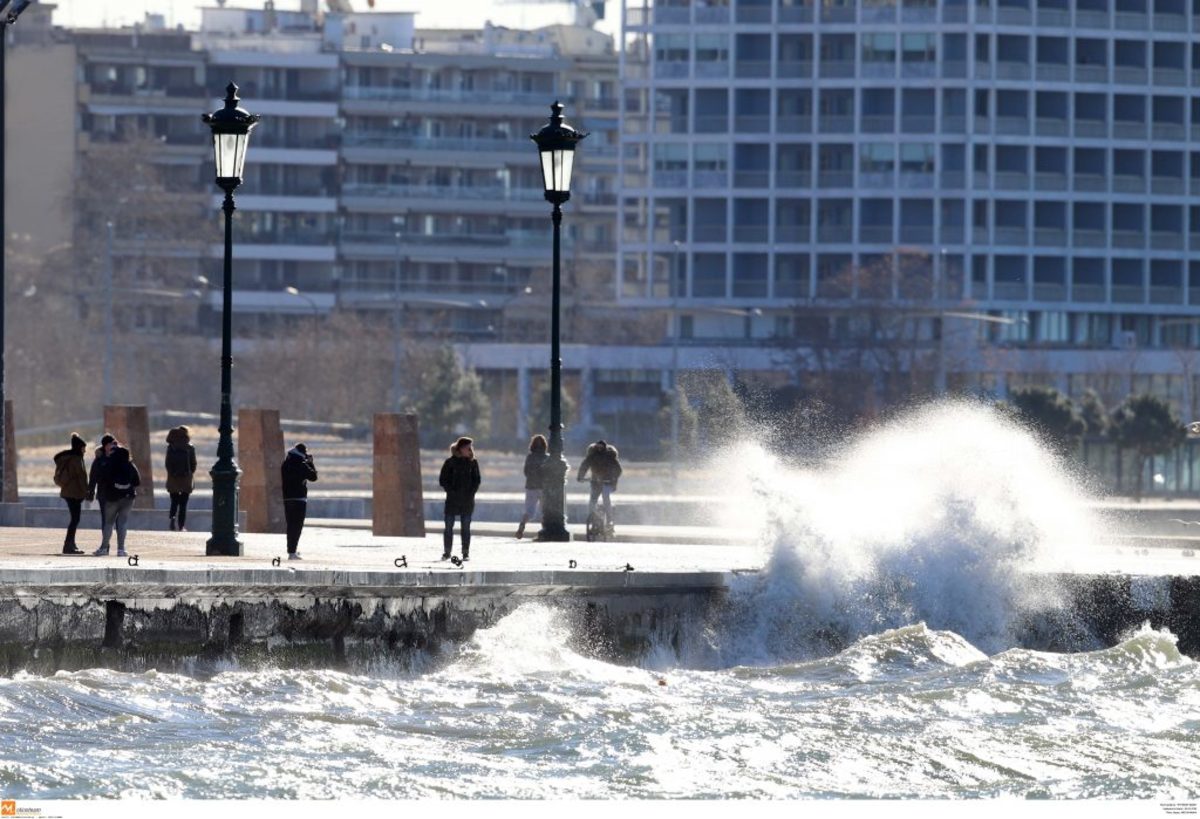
873, 657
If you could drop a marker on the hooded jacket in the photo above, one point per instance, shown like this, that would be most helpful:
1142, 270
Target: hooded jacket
296, 471
603, 463
122, 476
98, 483
460, 478
179, 440
70, 474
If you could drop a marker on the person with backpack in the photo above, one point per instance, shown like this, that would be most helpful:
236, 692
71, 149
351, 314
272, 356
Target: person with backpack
181, 469
296, 471
71, 476
122, 483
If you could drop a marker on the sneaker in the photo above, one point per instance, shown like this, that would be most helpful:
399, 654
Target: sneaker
446, 556
294, 556
183, 528
101, 552
72, 549
466, 557
121, 553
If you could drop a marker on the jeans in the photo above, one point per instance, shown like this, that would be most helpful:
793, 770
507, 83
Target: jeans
294, 512
179, 502
599, 489
448, 535
116, 514
75, 507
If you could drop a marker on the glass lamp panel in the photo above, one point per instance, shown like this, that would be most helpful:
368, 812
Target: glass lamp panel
225, 154
568, 164
548, 170
243, 141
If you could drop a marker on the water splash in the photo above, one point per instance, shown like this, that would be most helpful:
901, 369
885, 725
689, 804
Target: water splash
935, 517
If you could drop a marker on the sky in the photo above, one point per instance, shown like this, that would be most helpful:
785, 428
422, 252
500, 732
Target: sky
430, 13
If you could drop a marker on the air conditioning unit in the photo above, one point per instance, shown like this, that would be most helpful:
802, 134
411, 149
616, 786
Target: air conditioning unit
1125, 340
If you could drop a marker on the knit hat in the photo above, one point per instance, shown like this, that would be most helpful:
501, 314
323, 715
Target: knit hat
77, 442
107, 439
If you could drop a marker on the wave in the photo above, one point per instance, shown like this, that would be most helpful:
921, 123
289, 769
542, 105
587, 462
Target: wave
937, 517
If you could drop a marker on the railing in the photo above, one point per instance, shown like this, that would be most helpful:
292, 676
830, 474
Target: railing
916, 180
752, 69
388, 93
1051, 127
1050, 237
280, 237
1053, 72
1128, 293
1128, 238
1163, 240
1088, 292
392, 139
1167, 185
512, 238
450, 192
793, 179
1123, 183
1091, 73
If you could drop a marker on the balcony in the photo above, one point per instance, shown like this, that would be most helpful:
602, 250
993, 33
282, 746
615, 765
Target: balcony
711, 69
395, 139
1130, 75
1089, 238
878, 70
1167, 185
918, 124
1010, 291
1170, 76
1088, 292
954, 70
672, 70
954, 180
672, 14
876, 180
1087, 18
918, 68
246, 235
754, 14
1174, 131
1018, 236
712, 124
1128, 294
1018, 126
1060, 18
835, 179
878, 124
751, 179
1125, 129
795, 14
793, 179
1169, 294
751, 234
1091, 73
794, 70
512, 238
1050, 237
793, 234
712, 15
916, 180
1091, 128
793, 124
876, 234
836, 124
752, 123
1124, 183
752, 69
833, 69
1012, 181
1053, 72
1132, 239
1164, 240
1050, 181
1046, 126
835, 234
1049, 291
1012, 71
916, 234
710, 178
837, 14
1131, 21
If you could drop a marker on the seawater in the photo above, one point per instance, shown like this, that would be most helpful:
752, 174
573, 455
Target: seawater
873, 657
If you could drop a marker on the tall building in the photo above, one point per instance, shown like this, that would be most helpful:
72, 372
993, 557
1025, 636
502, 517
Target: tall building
1014, 179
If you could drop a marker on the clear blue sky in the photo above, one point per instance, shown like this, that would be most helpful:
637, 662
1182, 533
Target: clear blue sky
430, 13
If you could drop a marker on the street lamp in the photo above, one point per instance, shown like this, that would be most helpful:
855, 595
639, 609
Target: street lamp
295, 291
231, 127
8, 16
556, 145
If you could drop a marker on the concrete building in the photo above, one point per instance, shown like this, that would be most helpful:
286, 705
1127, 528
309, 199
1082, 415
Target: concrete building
1024, 162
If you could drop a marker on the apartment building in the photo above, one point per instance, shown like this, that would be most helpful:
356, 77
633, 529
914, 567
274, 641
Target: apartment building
1023, 169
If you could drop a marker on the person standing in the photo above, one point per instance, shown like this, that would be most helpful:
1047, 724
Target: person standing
119, 489
460, 478
71, 476
98, 474
534, 461
181, 469
297, 470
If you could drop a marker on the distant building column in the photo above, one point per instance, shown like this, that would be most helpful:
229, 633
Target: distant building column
586, 418
522, 403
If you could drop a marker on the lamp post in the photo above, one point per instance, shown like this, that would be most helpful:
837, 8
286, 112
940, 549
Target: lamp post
556, 143
312, 305
8, 16
231, 127
674, 286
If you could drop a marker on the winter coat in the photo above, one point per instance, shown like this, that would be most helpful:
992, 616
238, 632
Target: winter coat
70, 474
297, 470
122, 475
460, 478
180, 453
534, 461
603, 463
99, 486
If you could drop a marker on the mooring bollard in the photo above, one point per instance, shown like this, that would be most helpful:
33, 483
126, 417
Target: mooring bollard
133, 560
571, 564
627, 568
401, 562
275, 561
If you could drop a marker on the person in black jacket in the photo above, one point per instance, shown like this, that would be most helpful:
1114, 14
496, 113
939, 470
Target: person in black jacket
460, 479
534, 461
297, 470
119, 488
98, 474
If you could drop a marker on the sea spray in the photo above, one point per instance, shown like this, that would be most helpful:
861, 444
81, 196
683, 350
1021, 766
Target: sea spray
936, 517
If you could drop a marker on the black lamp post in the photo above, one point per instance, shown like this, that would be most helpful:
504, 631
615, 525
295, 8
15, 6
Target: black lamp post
8, 16
231, 128
556, 144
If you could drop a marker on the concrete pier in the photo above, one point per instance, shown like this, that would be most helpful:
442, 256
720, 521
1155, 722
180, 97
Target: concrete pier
357, 600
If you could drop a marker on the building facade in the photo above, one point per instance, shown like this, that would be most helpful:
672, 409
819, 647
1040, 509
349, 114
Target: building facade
1022, 172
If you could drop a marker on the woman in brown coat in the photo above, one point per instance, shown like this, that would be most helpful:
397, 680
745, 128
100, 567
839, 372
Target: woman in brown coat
71, 476
181, 467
